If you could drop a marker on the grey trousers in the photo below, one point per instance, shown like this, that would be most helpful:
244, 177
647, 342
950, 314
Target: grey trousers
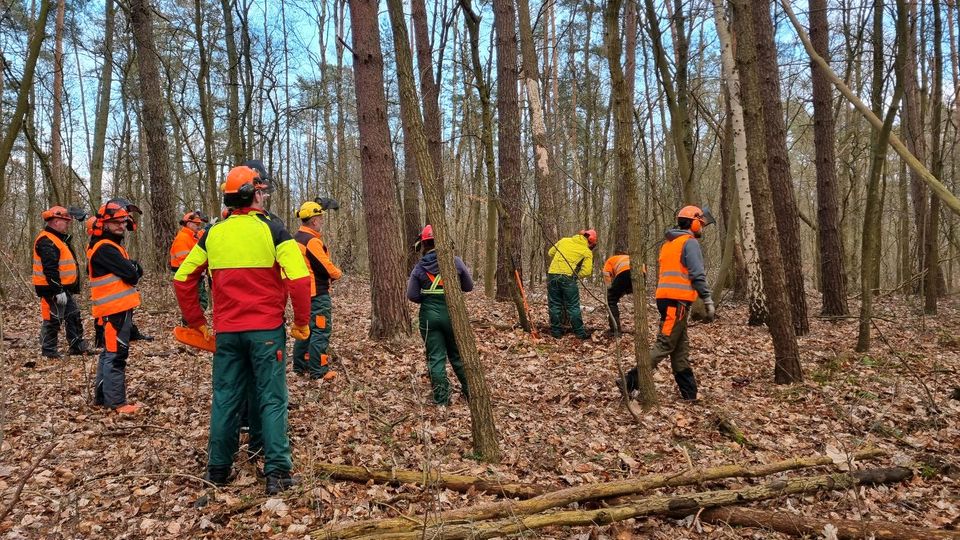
69, 317
110, 387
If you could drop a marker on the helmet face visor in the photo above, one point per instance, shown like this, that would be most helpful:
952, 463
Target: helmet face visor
707, 217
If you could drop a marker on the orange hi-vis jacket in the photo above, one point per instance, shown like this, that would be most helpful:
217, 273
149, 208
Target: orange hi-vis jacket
674, 278
67, 264
182, 244
322, 270
615, 266
108, 293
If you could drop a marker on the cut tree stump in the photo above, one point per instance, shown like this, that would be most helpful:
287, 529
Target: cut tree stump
807, 526
456, 482
586, 492
673, 506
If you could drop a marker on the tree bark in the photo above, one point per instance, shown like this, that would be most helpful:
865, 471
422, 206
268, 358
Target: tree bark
623, 113
154, 126
803, 526
833, 277
212, 202
778, 165
787, 368
103, 107
381, 211
483, 427
23, 96
234, 142
757, 309
429, 89
58, 180
932, 277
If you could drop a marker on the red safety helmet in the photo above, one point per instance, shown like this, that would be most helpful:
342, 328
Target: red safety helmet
196, 216
591, 236
56, 212
426, 233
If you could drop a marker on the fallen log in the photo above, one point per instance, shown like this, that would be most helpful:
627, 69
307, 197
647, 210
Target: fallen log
563, 497
456, 482
673, 506
806, 526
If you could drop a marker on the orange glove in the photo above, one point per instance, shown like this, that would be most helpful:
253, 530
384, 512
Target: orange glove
300, 333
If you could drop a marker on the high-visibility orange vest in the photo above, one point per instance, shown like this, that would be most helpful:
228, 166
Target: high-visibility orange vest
615, 266
182, 244
108, 293
67, 264
674, 278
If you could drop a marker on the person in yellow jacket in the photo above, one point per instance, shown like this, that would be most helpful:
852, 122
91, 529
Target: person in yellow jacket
572, 259
310, 355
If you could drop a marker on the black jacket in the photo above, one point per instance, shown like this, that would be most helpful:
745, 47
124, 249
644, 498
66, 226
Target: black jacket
109, 260
50, 259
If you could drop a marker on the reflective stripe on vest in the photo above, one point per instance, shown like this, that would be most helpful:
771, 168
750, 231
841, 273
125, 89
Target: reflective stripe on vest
674, 279
67, 265
108, 293
436, 285
615, 266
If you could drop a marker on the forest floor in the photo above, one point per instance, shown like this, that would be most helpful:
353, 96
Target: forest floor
560, 418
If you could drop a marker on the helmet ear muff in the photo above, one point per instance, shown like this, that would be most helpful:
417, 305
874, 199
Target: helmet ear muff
696, 225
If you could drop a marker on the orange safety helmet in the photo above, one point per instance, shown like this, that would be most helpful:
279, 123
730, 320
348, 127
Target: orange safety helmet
426, 233
195, 216
591, 236
89, 225
56, 212
695, 215
117, 209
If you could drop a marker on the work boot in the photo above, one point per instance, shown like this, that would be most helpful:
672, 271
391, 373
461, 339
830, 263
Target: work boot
136, 335
218, 476
279, 481
687, 384
129, 408
328, 376
52, 355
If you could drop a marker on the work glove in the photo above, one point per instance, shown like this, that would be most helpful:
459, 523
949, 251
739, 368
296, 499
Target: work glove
711, 310
61, 298
139, 268
300, 332
205, 330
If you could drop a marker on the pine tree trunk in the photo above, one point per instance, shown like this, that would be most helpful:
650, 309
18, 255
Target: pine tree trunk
102, 114
787, 368
623, 112
155, 132
481, 412
833, 276
757, 308
381, 212
778, 165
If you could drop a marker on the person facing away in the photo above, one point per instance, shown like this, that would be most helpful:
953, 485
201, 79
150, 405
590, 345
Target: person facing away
255, 265
113, 297
56, 280
425, 287
572, 259
681, 279
310, 355
617, 276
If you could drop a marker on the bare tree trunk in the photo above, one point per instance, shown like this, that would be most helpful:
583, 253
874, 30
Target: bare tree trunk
757, 309
58, 179
472, 22
380, 209
833, 276
103, 107
778, 165
915, 138
787, 368
623, 112
206, 112
234, 142
870, 247
932, 277
508, 136
619, 228
481, 413
429, 89
411, 188
154, 127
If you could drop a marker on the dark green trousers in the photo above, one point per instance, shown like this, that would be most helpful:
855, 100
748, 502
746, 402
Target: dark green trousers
563, 296
438, 338
310, 355
249, 367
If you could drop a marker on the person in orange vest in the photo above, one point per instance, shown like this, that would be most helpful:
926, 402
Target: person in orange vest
191, 229
619, 280
681, 279
310, 356
256, 266
56, 280
113, 297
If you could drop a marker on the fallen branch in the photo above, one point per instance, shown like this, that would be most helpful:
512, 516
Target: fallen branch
728, 428
673, 506
584, 492
23, 480
455, 482
804, 526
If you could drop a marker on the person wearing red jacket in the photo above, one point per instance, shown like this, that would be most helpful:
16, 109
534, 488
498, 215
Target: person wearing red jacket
255, 265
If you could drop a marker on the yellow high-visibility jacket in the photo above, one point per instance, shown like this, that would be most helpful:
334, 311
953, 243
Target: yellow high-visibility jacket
570, 254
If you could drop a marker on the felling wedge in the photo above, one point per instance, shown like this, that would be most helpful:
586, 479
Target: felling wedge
194, 338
